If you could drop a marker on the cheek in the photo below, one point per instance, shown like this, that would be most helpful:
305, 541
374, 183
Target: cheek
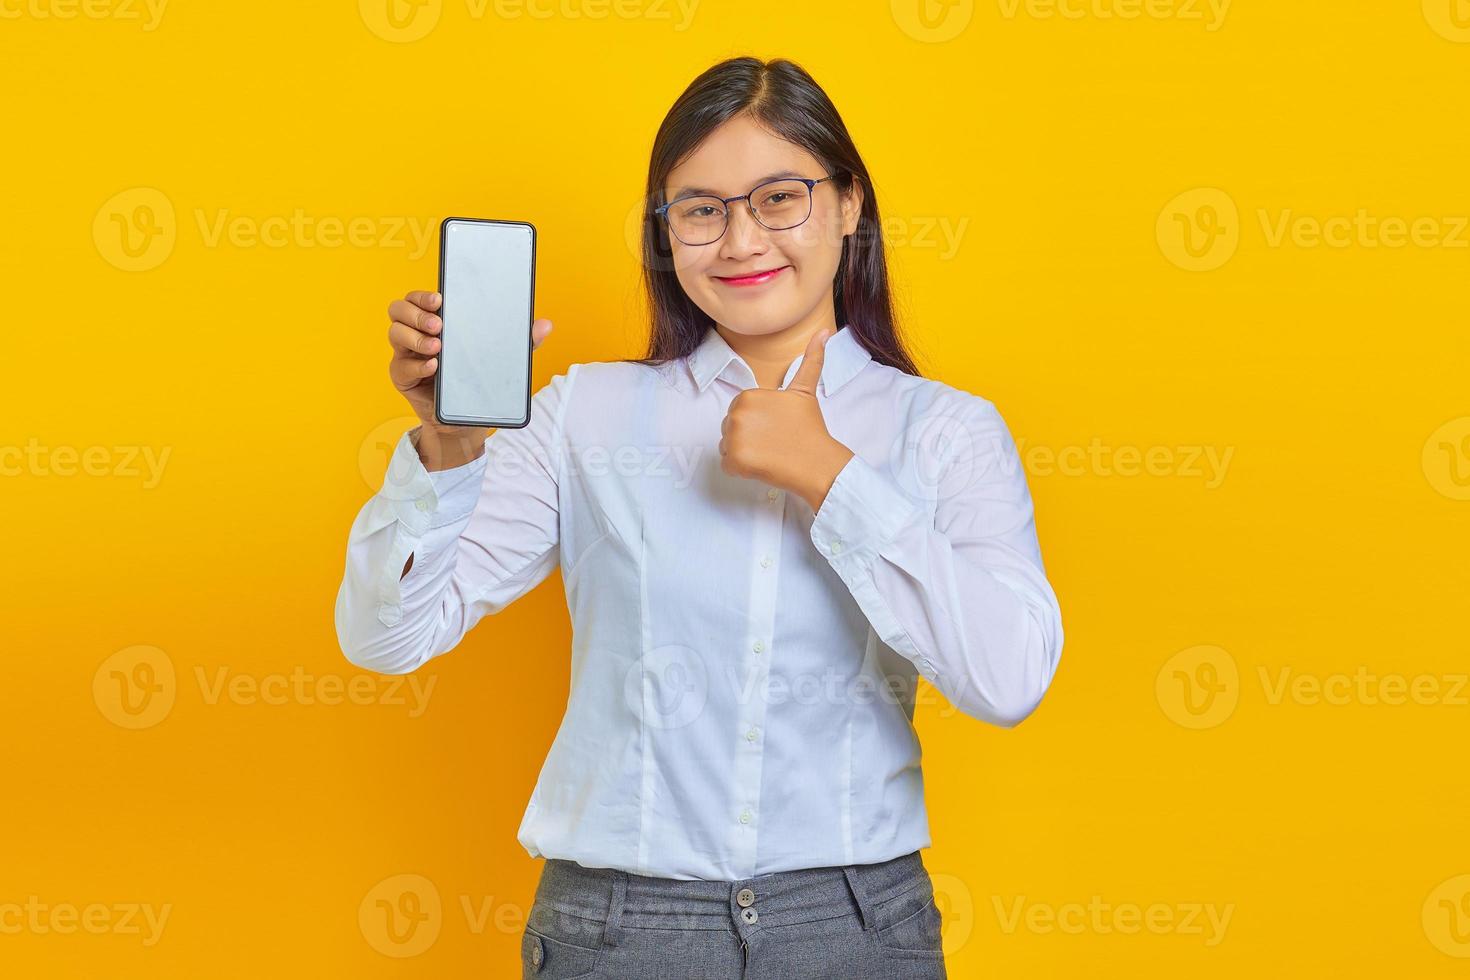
690, 265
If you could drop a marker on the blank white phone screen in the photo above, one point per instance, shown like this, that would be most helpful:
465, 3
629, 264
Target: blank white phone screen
487, 320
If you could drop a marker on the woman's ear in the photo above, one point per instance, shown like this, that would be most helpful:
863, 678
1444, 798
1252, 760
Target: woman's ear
852, 207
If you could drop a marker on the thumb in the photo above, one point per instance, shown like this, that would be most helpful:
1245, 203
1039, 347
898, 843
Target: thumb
811, 363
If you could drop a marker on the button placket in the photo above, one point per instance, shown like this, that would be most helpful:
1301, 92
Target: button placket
768, 519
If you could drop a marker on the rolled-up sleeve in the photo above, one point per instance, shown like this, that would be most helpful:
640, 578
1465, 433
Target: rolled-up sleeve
481, 536
963, 595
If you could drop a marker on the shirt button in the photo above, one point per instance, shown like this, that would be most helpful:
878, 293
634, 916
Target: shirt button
424, 505
750, 735
758, 646
745, 898
772, 493
745, 816
766, 562
836, 545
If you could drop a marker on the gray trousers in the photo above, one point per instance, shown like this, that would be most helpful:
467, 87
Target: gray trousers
858, 921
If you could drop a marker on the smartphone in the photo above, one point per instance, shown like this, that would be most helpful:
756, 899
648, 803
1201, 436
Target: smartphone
487, 278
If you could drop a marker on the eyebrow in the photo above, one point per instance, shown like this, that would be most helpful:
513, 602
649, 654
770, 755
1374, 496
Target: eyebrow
686, 191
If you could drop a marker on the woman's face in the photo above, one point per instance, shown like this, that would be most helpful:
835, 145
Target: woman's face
733, 160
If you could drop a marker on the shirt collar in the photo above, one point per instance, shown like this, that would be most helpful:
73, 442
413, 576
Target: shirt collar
842, 358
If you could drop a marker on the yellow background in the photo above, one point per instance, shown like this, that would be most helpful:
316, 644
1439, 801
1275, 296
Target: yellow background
1063, 154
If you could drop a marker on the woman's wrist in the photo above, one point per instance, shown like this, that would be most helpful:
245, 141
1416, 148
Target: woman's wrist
444, 448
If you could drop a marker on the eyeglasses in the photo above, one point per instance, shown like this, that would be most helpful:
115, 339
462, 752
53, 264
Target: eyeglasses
779, 205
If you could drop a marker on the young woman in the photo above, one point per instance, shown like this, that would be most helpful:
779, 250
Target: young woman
767, 529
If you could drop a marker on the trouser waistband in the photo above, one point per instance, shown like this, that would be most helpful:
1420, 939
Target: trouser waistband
606, 900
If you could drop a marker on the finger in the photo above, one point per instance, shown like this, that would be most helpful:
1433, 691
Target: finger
425, 300
406, 338
406, 370
539, 331
415, 316
811, 363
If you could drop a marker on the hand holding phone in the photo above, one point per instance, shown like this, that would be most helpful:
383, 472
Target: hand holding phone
414, 334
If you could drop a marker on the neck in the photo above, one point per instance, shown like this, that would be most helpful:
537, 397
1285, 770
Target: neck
770, 354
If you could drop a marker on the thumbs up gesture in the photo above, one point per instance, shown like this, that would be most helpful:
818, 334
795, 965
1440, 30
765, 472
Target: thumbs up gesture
778, 435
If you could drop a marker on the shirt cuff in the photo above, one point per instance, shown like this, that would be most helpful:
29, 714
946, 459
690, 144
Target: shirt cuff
863, 511
420, 499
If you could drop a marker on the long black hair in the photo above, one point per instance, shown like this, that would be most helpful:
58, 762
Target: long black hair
784, 99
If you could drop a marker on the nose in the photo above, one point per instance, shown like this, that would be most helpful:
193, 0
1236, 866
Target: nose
744, 235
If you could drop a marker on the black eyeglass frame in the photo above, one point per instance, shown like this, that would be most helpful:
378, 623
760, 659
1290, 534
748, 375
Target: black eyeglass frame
811, 183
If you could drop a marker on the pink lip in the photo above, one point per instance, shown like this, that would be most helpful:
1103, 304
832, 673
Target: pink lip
755, 280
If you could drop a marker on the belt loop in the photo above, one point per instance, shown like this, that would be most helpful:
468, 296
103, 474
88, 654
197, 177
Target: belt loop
859, 895
615, 907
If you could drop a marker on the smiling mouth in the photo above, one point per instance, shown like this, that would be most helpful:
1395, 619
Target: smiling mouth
754, 278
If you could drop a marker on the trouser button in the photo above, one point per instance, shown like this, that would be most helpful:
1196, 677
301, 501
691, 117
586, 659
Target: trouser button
749, 915
745, 898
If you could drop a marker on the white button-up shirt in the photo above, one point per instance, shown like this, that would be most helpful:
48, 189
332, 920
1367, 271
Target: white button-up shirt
743, 670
